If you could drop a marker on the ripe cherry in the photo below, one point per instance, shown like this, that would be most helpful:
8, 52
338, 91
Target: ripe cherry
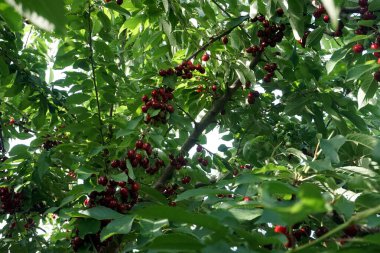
145, 98
12, 121
124, 192
376, 76
204, 162
170, 108
363, 3
225, 40
246, 198
172, 203
102, 180
199, 148
139, 144
214, 88
205, 57
326, 18
358, 48
321, 231
131, 154
115, 163
119, 2
135, 186
162, 72
280, 12
186, 180
280, 229
376, 54
374, 46
351, 230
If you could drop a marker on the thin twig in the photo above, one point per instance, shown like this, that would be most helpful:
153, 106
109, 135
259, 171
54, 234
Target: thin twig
186, 113
213, 39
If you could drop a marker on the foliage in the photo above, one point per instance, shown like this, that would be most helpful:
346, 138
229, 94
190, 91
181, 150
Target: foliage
119, 96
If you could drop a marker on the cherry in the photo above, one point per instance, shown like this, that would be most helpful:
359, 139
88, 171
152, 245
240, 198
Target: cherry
306, 230
205, 57
131, 154
145, 98
297, 234
260, 18
115, 163
172, 203
214, 88
321, 231
122, 183
225, 40
246, 198
113, 204
376, 54
280, 229
124, 192
280, 12
135, 186
378, 60
363, 3
86, 202
170, 108
326, 18
376, 76
204, 162
358, 48
186, 180
199, 148
139, 144
102, 180
248, 85
12, 121
162, 72
119, 2
374, 46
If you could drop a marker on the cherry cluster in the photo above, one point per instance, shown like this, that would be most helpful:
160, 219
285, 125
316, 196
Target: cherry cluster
319, 12
201, 159
359, 48
170, 192
10, 200
184, 70
116, 195
158, 101
269, 36
49, 144
177, 162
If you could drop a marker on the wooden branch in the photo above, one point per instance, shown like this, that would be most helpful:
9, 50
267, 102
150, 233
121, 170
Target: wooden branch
216, 108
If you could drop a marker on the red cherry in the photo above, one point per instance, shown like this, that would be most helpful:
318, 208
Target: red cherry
186, 180
145, 98
358, 48
326, 18
139, 144
225, 40
280, 229
214, 88
170, 108
321, 231
306, 230
376, 76
172, 203
115, 163
245, 198
135, 186
12, 121
102, 180
86, 202
363, 3
199, 148
122, 183
374, 46
124, 192
280, 12
204, 162
131, 154
205, 57
351, 230
378, 60
119, 2
376, 54
162, 72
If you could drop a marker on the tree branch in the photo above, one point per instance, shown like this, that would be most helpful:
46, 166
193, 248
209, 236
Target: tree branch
210, 116
92, 61
215, 38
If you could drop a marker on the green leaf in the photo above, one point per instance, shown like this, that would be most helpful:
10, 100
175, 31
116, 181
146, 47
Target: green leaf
367, 90
294, 9
358, 70
87, 226
101, 213
363, 139
78, 98
177, 242
337, 56
118, 8
121, 226
177, 214
315, 37
20, 151
48, 15
200, 192
360, 170
12, 18
330, 147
